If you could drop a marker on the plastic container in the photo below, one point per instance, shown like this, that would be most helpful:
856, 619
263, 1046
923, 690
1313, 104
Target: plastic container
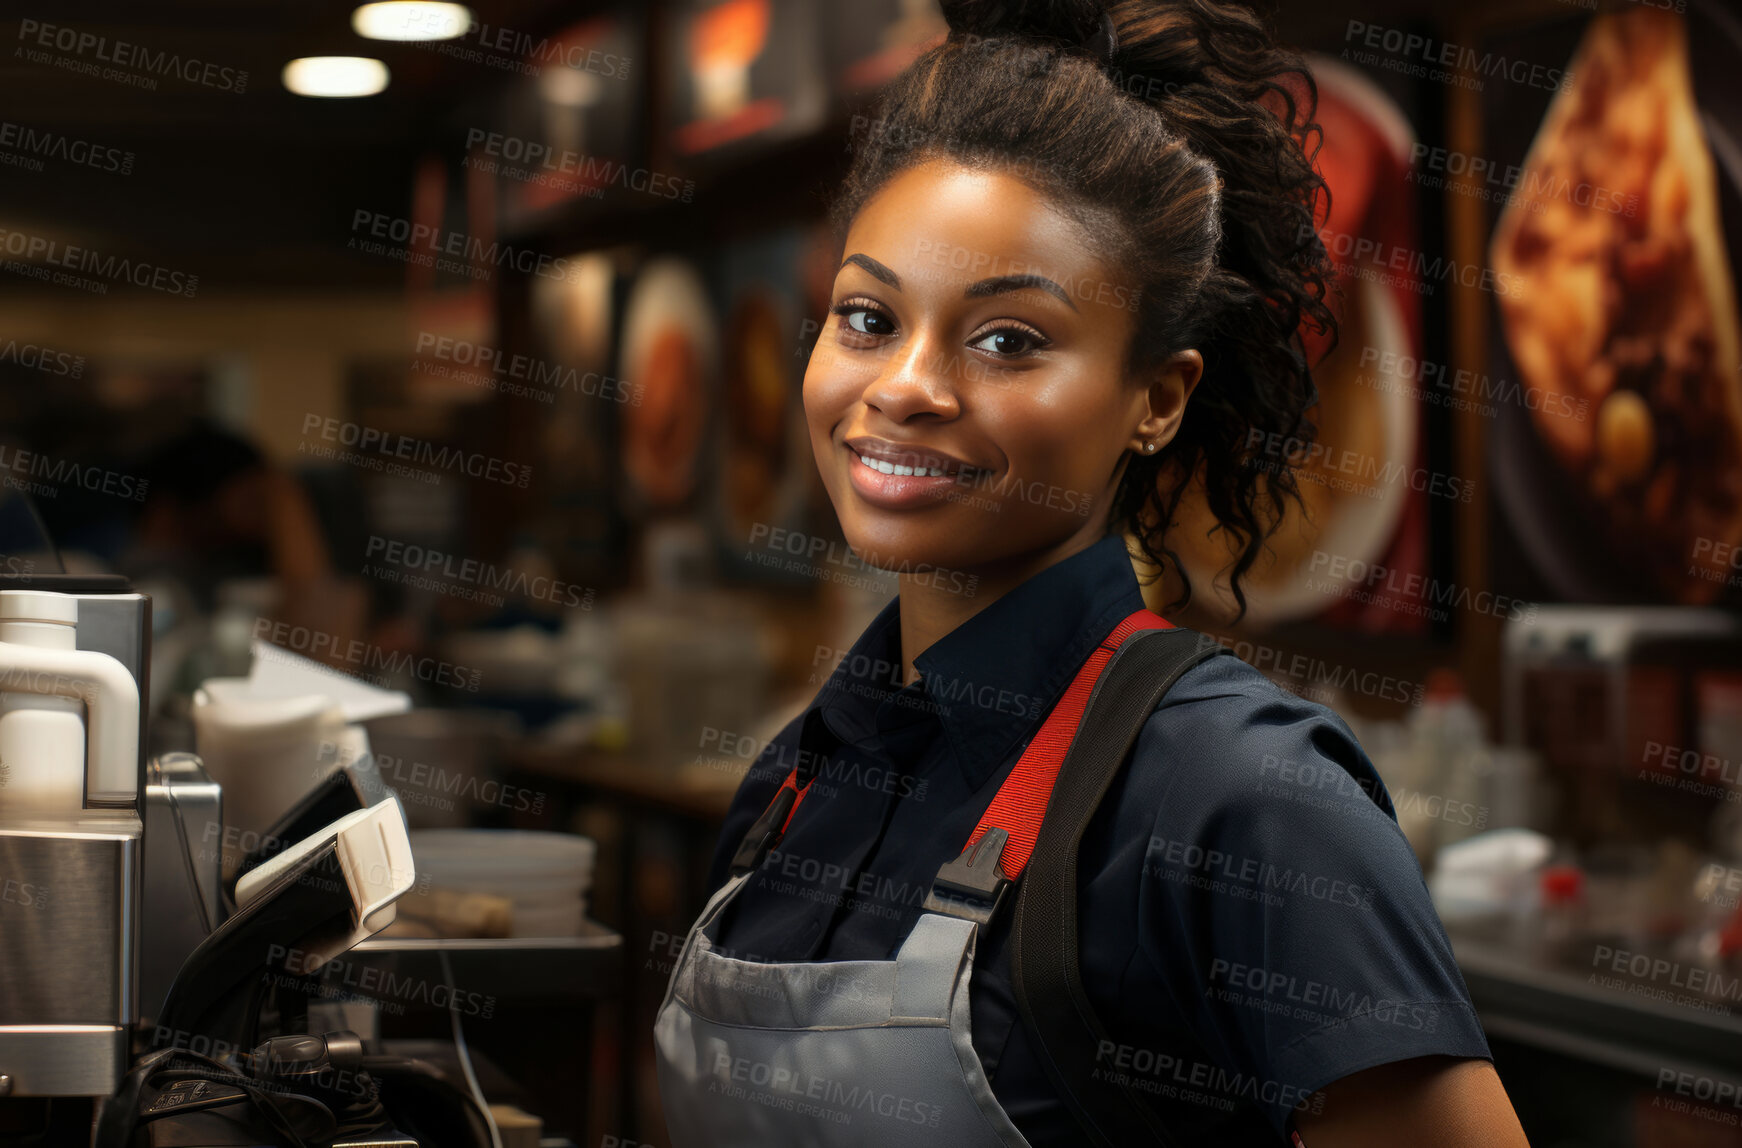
265, 752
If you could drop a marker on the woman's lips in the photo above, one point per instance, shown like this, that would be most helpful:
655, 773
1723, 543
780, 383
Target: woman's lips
899, 491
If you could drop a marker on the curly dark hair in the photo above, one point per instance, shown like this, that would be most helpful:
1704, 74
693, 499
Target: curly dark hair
1187, 155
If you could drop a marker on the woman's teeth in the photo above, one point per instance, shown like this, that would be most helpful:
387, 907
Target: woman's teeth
882, 467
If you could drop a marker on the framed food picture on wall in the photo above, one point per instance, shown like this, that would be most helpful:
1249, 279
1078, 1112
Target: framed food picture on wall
763, 471
669, 354
743, 74
568, 129
1619, 475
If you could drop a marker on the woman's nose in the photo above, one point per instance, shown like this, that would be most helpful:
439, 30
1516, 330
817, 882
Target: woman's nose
920, 378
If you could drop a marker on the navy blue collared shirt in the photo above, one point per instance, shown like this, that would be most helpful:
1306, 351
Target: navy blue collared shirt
1253, 924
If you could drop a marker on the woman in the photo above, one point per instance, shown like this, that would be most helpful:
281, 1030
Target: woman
1079, 255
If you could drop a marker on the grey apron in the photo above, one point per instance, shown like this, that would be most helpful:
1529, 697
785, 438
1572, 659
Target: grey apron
837, 1054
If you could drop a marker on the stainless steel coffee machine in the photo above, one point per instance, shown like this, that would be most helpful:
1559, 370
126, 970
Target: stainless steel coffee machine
70, 858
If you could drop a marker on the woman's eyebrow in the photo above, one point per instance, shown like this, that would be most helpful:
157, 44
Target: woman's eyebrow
1003, 283
874, 268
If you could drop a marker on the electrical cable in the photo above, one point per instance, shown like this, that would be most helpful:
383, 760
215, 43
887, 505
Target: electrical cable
466, 1055
187, 857
390, 1068
120, 1114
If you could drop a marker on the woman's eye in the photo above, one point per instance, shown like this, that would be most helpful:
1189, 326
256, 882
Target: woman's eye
1008, 341
865, 320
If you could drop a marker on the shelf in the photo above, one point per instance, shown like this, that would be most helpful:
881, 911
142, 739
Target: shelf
1559, 1011
510, 969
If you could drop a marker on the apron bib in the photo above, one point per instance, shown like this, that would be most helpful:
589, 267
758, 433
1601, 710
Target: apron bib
858, 1054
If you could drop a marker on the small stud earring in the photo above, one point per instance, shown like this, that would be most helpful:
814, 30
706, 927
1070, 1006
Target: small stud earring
1148, 446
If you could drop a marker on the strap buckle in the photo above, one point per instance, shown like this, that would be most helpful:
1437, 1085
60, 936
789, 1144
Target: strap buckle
766, 833
972, 886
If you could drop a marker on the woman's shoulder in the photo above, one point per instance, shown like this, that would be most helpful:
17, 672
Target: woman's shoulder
1228, 741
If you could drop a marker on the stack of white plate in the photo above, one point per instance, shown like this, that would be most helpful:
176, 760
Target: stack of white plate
545, 875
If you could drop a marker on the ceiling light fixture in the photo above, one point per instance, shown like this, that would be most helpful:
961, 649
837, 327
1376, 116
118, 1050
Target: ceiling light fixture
335, 77
411, 20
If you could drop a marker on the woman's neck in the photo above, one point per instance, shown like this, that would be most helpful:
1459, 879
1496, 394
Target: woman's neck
932, 606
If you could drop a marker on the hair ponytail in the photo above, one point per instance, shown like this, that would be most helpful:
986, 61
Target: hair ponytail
1186, 153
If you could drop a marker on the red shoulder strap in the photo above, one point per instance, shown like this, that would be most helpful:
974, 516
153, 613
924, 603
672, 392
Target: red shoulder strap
1021, 801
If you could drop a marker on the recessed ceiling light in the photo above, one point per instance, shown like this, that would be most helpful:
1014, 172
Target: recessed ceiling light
411, 20
335, 76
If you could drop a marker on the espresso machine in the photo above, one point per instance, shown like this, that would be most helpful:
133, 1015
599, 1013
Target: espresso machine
77, 880
73, 676
152, 995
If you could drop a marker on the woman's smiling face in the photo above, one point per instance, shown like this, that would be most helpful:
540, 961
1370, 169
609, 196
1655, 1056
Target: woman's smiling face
974, 331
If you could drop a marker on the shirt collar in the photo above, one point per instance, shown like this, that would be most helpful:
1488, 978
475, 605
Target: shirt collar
989, 681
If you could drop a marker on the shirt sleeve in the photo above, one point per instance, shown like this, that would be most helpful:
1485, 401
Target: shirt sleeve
1280, 901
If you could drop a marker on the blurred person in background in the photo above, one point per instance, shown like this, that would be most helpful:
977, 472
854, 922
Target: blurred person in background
225, 527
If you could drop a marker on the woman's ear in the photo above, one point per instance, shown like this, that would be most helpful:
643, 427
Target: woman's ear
1169, 385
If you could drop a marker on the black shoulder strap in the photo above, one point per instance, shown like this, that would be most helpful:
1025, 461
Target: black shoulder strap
1048, 981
